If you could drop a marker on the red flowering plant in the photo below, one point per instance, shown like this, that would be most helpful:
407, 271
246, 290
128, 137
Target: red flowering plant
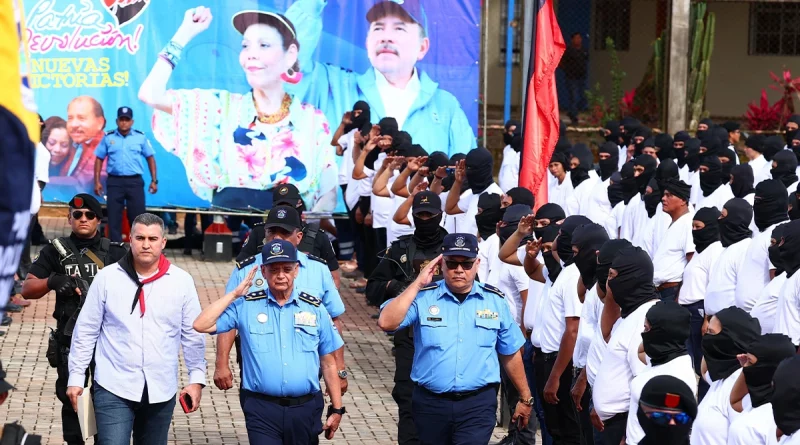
788, 87
763, 116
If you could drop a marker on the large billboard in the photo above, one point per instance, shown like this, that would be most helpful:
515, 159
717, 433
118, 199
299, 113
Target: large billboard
238, 97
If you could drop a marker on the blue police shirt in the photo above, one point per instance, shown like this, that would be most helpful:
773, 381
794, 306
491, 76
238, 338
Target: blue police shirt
456, 344
314, 278
281, 345
124, 152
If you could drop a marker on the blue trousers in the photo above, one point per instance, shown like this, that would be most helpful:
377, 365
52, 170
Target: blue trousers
122, 192
268, 423
670, 294
118, 418
447, 422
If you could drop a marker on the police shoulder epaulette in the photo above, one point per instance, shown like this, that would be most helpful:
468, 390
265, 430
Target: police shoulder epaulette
258, 224
246, 262
493, 290
310, 299
430, 287
137, 131
316, 258
111, 132
257, 295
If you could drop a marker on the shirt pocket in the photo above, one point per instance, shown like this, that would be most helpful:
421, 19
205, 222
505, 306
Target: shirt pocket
261, 335
433, 333
487, 331
306, 338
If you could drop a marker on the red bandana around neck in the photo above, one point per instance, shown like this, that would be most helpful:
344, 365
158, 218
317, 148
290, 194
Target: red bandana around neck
127, 266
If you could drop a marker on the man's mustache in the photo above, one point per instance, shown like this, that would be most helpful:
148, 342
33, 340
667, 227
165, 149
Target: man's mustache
386, 46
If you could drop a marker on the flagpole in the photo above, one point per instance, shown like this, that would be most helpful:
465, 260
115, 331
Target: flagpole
527, 40
485, 23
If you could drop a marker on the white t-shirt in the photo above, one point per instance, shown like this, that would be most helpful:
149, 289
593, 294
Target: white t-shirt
563, 302
717, 198
537, 294
623, 156
697, 274
759, 174
613, 223
669, 260
560, 193
41, 172
715, 413
487, 251
512, 280
697, 192
721, 289
794, 439
598, 207
396, 101
381, 206
394, 230
468, 204
683, 174
612, 390
628, 227
679, 367
787, 316
592, 311
755, 270
578, 201
754, 427
586, 328
508, 177
767, 304
346, 166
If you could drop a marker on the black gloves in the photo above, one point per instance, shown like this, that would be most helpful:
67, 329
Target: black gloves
61, 283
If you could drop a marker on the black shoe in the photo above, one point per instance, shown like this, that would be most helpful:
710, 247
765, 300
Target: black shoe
505, 441
375, 316
187, 252
361, 290
11, 307
6, 321
172, 230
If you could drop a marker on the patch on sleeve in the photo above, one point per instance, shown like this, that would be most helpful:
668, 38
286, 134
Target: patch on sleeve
310, 299
492, 289
316, 258
245, 262
430, 287
256, 295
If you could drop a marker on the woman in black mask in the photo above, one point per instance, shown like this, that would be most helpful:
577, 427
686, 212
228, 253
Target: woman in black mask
766, 304
666, 411
756, 426
511, 128
548, 217
730, 332
784, 167
609, 159
734, 223
742, 181
666, 330
489, 214
786, 399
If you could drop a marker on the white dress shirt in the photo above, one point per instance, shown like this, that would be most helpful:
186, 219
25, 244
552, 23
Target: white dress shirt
721, 291
759, 173
537, 295
754, 427
593, 310
755, 270
628, 226
397, 102
468, 204
669, 260
133, 350
563, 302
717, 198
794, 439
614, 220
787, 316
767, 304
598, 207
508, 177
697, 274
715, 413
612, 390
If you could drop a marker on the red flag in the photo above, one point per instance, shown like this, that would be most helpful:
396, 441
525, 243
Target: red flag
541, 126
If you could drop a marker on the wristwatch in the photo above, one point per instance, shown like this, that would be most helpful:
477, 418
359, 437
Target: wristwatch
331, 410
528, 401
343, 374
155, 181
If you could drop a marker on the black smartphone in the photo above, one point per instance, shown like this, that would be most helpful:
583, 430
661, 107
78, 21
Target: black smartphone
451, 170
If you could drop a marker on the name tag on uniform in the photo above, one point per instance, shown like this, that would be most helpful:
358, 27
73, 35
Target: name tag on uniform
305, 319
486, 314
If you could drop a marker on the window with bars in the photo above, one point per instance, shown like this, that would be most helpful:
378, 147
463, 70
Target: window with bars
774, 29
612, 18
517, 40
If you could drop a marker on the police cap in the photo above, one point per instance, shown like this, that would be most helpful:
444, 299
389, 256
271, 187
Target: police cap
460, 244
278, 251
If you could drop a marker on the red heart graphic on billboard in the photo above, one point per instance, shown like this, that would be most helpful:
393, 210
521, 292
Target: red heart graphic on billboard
125, 10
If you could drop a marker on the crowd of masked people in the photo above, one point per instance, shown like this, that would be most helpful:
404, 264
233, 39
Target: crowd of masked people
673, 262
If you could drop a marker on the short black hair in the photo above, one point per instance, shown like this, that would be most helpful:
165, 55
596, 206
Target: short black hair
575, 34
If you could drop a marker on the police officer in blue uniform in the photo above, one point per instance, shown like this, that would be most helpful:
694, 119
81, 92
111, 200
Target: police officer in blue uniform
463, 332
286, 334
124, 148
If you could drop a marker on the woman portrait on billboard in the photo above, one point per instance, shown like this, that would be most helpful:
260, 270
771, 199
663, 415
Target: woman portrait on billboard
237, 147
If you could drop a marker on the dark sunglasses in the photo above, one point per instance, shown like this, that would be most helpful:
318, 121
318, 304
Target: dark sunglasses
453, 265
89, 215
661, 418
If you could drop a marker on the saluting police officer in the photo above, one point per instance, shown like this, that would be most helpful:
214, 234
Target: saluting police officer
463, 330
400, 265
286, 334
58, 267
124, 148
315, 240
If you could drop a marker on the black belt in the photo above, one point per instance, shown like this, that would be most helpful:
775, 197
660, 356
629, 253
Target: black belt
457, 396
125, 176
546, 356
282, 401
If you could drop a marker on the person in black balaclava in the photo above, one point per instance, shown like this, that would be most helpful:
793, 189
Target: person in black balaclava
479, 163
563, 244
639, 137
611, 132
692, 158
489, 214
667, 409
553, 266
652, 199
605, 258
649, 147
628, 125
679, 145
645, 167
727, 159
790, 248
633, 284
770, 204
794, 205
721, 134
709, 145
586, 243
518, 195
704, 127
669, 331
510, 221
614, 190
666, 146
628, 182
784, 167
791, 128
786, 397
734, 224
711, 175
548, 215
580, 164
559, 189
709, 234
508, 176
772, 145
742, 180
511, 128
609, 159
359, 119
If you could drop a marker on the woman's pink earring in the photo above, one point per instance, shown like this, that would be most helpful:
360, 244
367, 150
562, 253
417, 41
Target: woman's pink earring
292, 76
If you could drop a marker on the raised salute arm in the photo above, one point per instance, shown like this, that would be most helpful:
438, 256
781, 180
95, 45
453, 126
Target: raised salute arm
206, 322
395, 311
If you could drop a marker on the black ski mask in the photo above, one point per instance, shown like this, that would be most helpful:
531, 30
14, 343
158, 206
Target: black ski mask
709, 126
581, 172
628, 125
742, 184
727, 167
692, 149
772, 145
428, 233
509, 134
549, 234
628, 182
755, 142
664, 144
521, 195
633, 285
735, 226
564, 240
774, 250
479, 169
710, 180
770, 203
588, 238
611, 164
490, 214
785, 167
790, 248
652, 198
649, 164
786, 396
738, 331
709, 234
642, 134
770, 350
360, 122
516, 143
608, 253
669, 331
611, 132
615, 194
550, 214
668, 393
795, 119
711, 145
679, 145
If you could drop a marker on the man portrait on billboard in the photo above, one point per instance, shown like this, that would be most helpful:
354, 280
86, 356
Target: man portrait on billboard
84, 125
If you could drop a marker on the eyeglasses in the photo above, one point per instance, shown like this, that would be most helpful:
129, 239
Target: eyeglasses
661, 418
89, 215
453, 265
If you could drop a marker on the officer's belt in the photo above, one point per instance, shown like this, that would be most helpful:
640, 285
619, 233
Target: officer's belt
282, 401
546, 356
457, 396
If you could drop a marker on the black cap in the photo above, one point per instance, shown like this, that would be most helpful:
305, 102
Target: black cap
412, 8
285, 217
86, 201
460, 244
4, 385
278, 251
426, 201
668, 392
286, 194
125, 112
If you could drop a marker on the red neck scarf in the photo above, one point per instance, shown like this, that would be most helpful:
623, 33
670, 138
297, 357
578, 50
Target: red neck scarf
127, 265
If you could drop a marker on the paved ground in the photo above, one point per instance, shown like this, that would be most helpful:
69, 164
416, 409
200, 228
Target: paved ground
371, 417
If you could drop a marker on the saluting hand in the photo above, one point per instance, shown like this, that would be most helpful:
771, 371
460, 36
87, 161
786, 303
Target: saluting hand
461, 170
525, 226
242, 288
427, 273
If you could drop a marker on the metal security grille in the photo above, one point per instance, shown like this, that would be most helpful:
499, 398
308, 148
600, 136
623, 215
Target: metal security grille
612, 18
774, 29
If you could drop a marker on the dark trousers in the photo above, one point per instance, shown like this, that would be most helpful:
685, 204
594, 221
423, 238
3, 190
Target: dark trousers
440, 421
358, 238
562, 418
268, 423
345, 235
614, 429
69, 418
587, 431
576, 96
404, 387
530, 374
380, 240
122, 192
694, 344
25, 258
118, 419
527, 435
670, 294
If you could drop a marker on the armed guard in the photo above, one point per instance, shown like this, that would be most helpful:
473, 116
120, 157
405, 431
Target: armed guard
68, 266
400, 265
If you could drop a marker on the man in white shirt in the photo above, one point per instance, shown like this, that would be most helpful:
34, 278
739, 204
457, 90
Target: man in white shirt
734, 233
508, 177
676, 247
477, 170
753, 146
137, 315
787, 318
715, 193
598, 207
584, 180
